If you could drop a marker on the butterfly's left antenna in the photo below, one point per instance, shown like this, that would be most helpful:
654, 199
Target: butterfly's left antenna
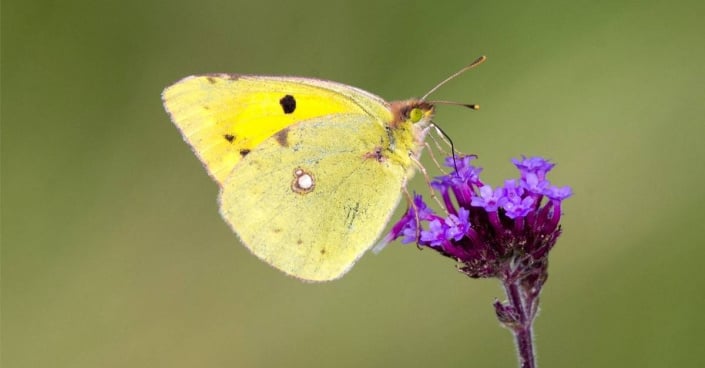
475, 63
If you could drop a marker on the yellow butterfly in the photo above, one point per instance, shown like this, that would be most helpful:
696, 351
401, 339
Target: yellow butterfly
309, 170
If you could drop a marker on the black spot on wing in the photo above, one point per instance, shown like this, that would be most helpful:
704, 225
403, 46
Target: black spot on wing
244, 152
288, 104
229, 137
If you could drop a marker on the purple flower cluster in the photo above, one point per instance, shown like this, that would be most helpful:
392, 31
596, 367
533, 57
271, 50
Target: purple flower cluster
503, 232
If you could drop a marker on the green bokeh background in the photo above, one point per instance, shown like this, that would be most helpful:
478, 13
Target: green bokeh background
114, 255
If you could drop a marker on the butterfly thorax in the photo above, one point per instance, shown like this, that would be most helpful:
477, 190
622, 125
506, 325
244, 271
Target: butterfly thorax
407, 130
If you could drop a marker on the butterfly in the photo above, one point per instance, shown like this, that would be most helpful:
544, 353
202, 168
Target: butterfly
309, 170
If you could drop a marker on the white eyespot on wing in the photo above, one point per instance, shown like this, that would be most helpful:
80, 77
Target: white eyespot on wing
304, 181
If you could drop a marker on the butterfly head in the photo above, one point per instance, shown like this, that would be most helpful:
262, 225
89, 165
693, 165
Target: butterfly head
412, 112
418, 112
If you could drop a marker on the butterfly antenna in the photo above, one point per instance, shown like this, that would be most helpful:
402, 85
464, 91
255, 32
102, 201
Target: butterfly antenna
475, 63
453, 103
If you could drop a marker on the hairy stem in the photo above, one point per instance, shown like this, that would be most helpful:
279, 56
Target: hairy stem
523, 305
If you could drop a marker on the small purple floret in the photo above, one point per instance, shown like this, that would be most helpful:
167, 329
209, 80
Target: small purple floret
488, 199
536, 165
457, 226
435, 235
518, 207
558, 194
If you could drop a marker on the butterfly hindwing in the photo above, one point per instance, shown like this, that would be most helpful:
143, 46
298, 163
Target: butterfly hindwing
313, 198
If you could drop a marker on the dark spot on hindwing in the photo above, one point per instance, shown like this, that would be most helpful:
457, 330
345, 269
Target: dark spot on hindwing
376, 154
288, 104
282, 137
211, 80
244, 152
229, 137
323, 251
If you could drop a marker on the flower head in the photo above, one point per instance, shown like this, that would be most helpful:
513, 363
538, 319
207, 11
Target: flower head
502, 232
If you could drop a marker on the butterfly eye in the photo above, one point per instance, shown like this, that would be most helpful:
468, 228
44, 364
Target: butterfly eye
415, 115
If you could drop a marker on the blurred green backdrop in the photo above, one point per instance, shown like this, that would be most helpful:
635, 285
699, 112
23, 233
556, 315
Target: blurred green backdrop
114, 255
